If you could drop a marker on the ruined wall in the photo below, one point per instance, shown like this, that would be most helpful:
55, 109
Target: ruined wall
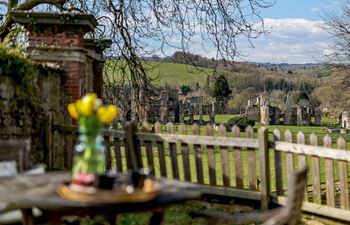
265, 115
345, 120
275, 115
318, 116
299, 113
304, 116
253, 113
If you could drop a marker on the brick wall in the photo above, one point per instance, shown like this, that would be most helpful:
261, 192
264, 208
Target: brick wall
50, 38
69, 38
59, 38
72, 84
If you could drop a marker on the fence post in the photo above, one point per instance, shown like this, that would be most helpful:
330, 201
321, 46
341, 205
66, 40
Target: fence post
132, 147
264, 167
48, 142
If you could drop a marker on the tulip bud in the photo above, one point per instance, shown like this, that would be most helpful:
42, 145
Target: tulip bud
73, 112
88, 104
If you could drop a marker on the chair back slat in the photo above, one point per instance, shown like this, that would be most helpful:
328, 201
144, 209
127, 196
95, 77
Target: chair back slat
295, 196
16, 150
285, 215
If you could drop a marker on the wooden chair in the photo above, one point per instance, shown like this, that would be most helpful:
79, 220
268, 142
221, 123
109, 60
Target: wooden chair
289, 214
16, 150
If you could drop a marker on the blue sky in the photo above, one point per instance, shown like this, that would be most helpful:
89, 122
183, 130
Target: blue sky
307, 9
296, 36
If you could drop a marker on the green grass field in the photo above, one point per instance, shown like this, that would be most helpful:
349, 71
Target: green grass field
171, 73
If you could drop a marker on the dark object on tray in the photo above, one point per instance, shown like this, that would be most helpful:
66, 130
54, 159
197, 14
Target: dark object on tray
106, 181
137, 178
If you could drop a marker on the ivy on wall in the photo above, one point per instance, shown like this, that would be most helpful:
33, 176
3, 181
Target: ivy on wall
15, 64
26, 97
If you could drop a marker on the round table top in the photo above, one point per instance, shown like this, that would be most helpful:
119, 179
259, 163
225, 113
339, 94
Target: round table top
27, 191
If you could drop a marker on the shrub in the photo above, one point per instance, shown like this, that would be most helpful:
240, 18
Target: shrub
241, 122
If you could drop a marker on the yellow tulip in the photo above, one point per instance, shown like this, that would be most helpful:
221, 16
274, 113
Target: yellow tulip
112, 112
87, 104
101, 111
90, 97
107, 115
73, 112
78, 105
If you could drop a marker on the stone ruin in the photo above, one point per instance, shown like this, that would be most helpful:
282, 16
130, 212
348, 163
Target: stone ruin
171, 103
297, 114
344, 119
168, 105
190, 106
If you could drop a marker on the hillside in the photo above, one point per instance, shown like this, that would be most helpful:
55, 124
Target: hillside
323, 85
172, 73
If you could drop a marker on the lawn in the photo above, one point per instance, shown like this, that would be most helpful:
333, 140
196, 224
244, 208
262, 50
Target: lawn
178, 214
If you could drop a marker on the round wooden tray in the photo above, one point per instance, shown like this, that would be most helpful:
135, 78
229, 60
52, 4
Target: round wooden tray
150, 191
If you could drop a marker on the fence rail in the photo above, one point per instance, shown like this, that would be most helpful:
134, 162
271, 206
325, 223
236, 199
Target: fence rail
231, 164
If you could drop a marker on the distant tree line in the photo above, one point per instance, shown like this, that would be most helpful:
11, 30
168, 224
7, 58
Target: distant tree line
284, 85
190, 59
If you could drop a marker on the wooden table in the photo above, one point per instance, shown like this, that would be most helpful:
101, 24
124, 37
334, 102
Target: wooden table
28, 191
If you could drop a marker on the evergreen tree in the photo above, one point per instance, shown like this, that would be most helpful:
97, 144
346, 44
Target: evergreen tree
221, 92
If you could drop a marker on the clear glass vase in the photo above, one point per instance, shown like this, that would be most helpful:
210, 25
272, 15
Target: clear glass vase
89, 154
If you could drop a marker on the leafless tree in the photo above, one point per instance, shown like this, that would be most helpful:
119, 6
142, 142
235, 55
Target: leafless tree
143, 28
338, 26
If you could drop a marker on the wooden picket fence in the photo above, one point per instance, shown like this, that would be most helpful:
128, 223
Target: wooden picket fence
328, 186
235, 164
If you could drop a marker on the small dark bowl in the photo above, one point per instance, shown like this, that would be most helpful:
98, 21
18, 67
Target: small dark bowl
105, 181
137, 177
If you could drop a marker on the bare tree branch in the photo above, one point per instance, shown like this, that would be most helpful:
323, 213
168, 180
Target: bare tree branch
142, 28
338, 26
30, 4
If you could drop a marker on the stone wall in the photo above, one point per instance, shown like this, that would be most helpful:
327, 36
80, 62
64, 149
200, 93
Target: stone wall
25, 107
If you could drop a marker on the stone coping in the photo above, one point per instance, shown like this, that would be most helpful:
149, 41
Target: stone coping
57, 54
25, 17
88, 21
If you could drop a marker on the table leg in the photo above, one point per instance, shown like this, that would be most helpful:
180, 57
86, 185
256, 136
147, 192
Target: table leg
55, 218
28, 217
157, 216
112, 218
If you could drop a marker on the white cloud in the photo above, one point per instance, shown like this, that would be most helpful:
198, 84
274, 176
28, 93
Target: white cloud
294, 27
291, 40
315, 9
